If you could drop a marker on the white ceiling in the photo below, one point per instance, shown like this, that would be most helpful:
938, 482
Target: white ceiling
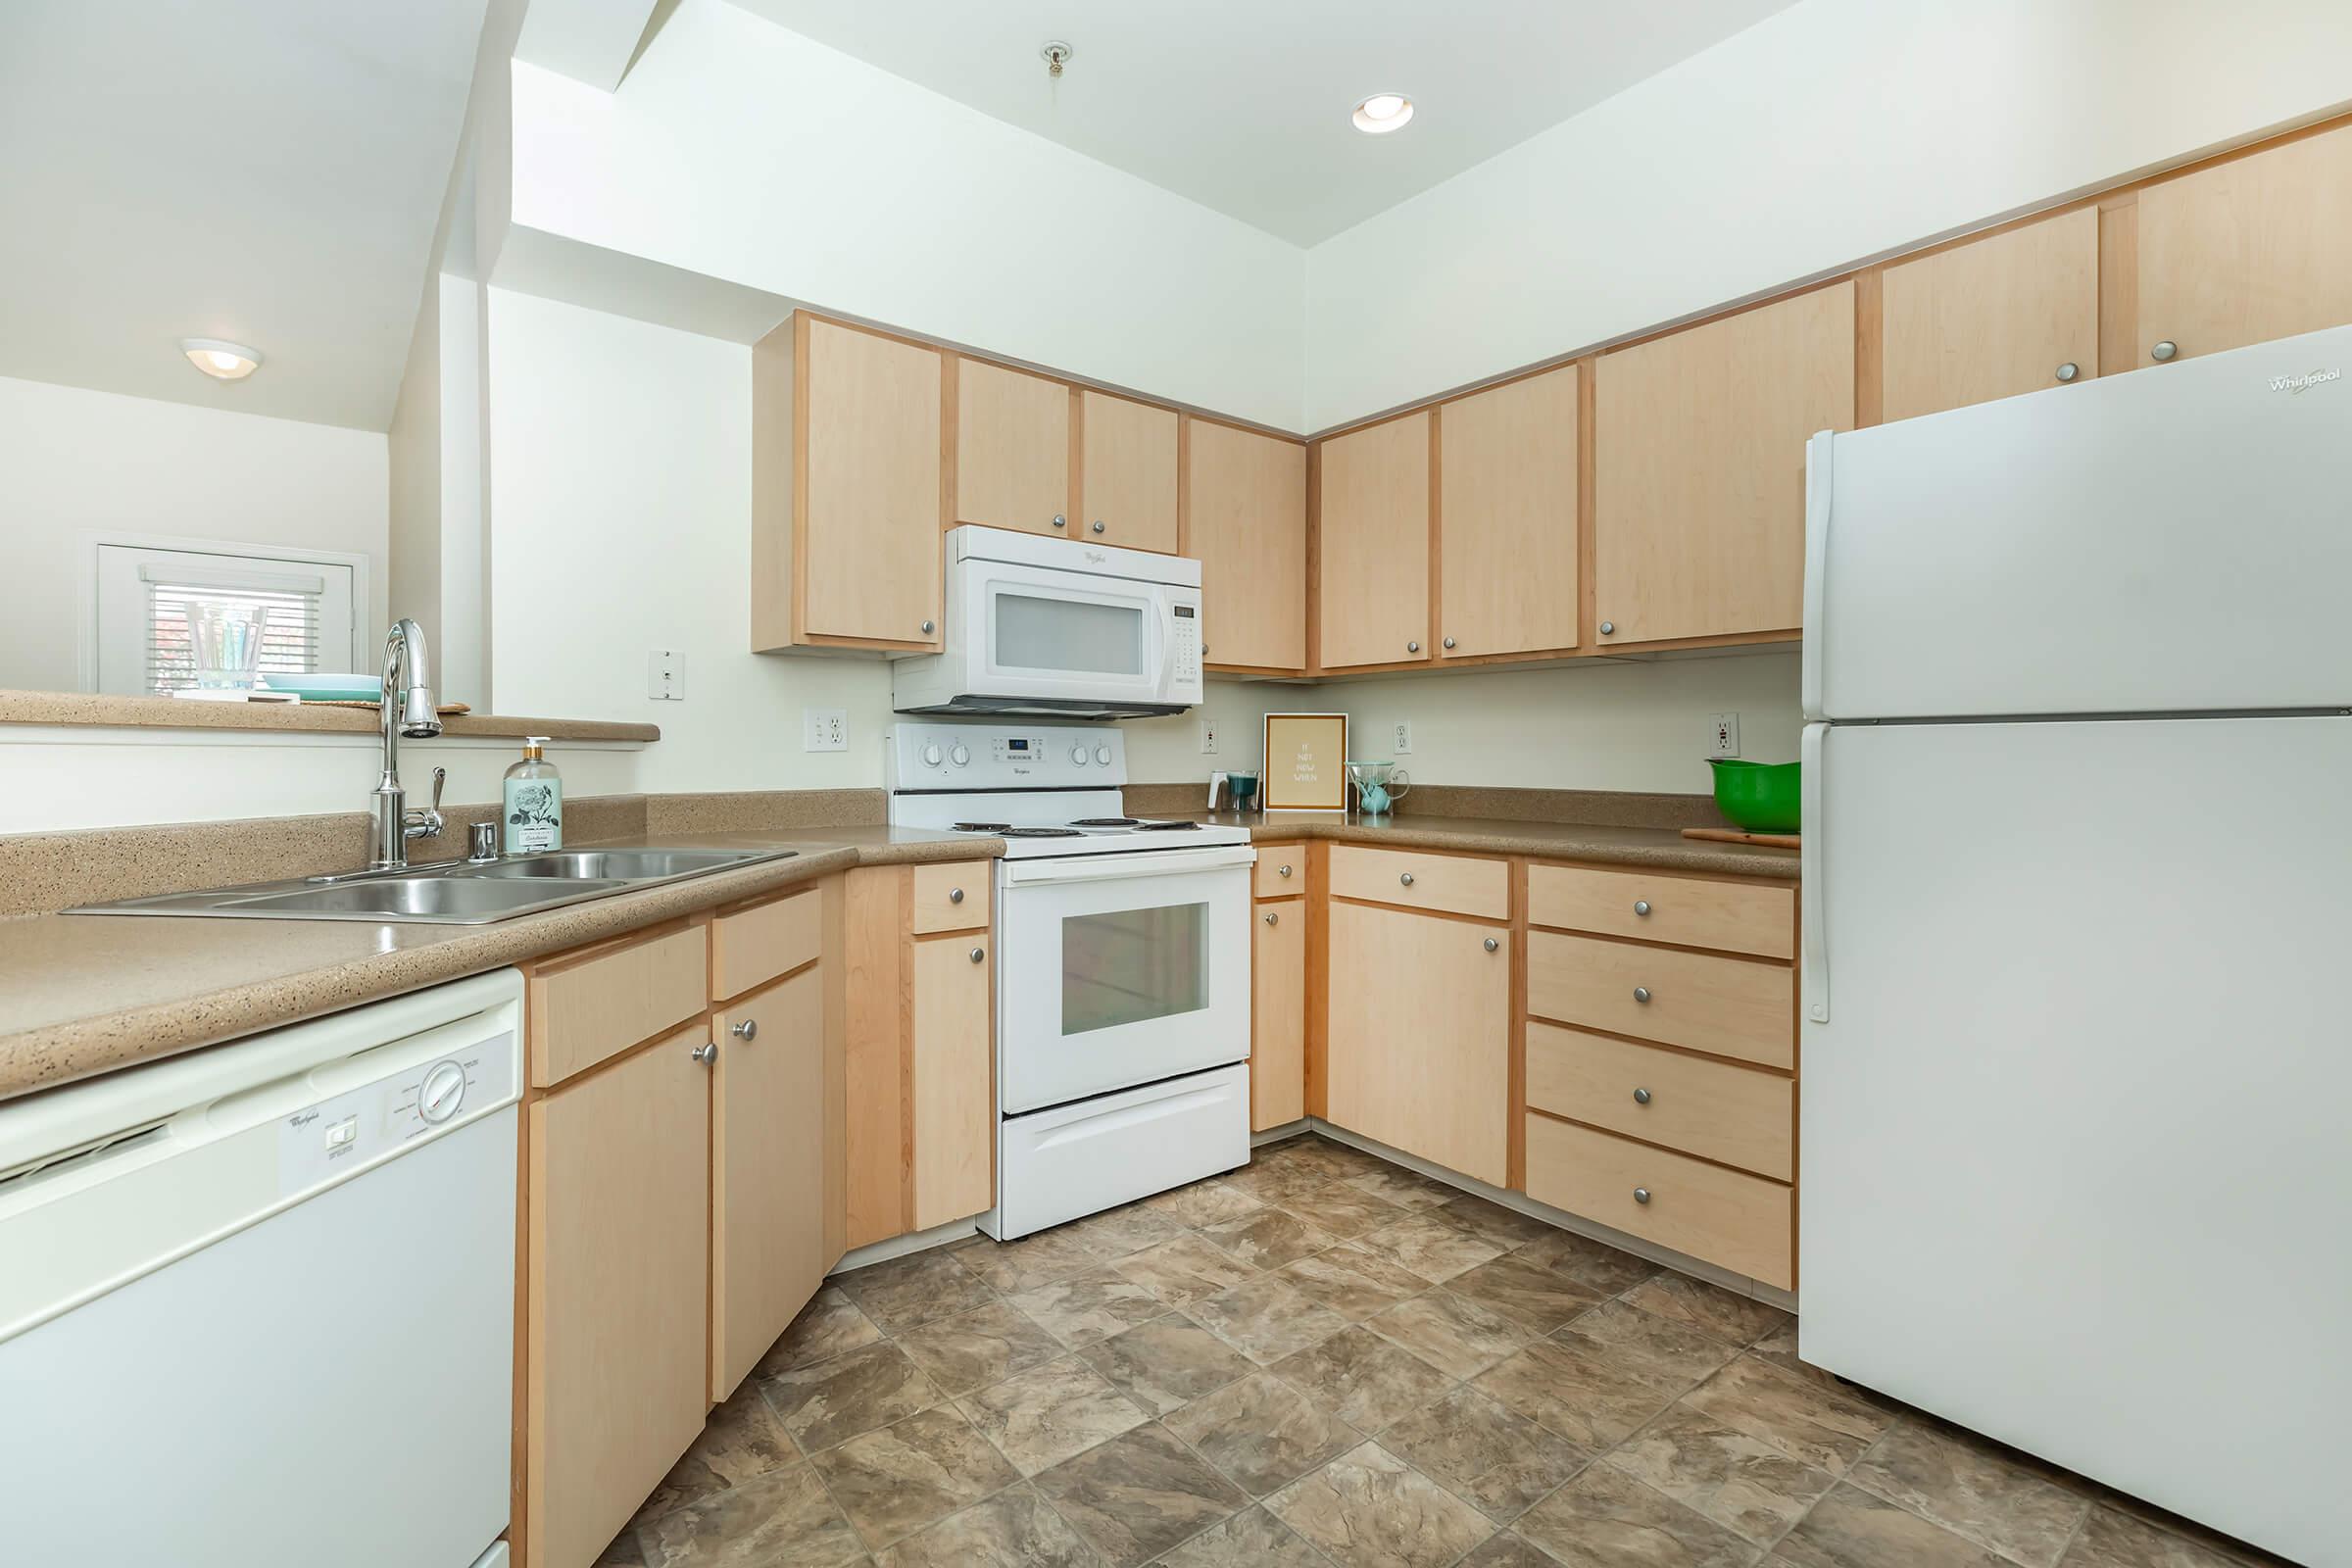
1243, 104
268, 171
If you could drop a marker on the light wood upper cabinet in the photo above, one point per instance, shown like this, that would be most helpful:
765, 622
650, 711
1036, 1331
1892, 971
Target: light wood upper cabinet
1278, 1015
954, 1109
2012, 313
1699, 468
1013, 449
1418, 1043
845, 489
1128, 473
767, 1170
1506, 517
2253, 249
617, 1265
1245, 500
1374, 512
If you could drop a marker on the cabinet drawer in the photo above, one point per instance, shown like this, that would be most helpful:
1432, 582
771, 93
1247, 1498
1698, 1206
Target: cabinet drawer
1731, 1007
752, 947
1281, 870
1742, 1223
951, 898
1737, 916
1419, 881
595, 1007
1733, 1114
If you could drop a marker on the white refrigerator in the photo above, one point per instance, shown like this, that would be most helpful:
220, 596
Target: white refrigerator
2076, 1115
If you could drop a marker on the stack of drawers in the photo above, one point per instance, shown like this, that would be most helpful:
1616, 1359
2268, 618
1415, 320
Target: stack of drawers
1661, 1057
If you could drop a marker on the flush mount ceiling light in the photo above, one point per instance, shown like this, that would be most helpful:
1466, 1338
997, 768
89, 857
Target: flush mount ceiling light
223, 361
1383, 113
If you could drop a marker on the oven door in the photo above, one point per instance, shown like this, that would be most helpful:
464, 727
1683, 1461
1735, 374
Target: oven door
1063, 636
1119, 969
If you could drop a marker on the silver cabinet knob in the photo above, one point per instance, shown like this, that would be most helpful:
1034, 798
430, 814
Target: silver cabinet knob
1450, 642
1642, 907
1413, 647
1098, 525
2069, 371
978, 954
1641, 993
1205, 650
930, 627
1492, 945
1609, 629
2164, 350
1060, 521
1406, 878
1640, 1097
748, 1029
707, 1052
1286, 870
1273, 918
1640, 1195
954, 895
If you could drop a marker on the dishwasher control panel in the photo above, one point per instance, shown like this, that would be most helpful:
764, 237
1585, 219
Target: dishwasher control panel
418, 1091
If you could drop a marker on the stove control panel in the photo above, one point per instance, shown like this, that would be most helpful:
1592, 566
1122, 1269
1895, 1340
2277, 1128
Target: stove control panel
938, 756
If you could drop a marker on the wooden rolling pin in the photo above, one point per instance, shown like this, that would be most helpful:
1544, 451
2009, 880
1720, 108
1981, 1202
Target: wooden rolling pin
1729, 835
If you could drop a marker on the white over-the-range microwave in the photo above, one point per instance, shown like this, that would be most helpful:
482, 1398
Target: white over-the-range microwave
1058, 629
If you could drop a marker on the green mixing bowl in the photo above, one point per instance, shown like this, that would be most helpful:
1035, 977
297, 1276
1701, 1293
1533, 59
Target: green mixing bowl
1760, 796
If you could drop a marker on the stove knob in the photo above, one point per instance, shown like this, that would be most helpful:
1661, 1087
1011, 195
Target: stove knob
1103, 754
931, 756
960, 756
1078, 755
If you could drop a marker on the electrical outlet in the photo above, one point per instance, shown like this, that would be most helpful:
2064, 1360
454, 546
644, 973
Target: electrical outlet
1404, 737
1209, 737
666, 682
824, 729
1723, 735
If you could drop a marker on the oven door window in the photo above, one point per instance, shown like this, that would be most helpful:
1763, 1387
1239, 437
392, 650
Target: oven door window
1044, 630
1127, 966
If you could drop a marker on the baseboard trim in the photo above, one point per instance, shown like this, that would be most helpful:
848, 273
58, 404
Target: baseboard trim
890, 1246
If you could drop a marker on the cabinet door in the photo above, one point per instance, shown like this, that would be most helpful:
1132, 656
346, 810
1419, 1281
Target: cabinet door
1375, 545
1128, 473
954, 1103
2014, 313
1419, 1034
2249, 250
1507, 518
1278, 1015
767, 1171
1013, 449
868, 560
1245, 508
620, 1255
1699, 468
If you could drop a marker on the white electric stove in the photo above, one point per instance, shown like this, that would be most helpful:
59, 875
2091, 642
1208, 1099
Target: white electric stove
1122, 966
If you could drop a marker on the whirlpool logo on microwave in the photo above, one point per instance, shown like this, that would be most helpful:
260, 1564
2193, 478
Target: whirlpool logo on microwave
2304, 382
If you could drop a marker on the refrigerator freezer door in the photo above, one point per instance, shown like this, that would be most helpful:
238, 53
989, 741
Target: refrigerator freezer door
2175, 540
2075, 1168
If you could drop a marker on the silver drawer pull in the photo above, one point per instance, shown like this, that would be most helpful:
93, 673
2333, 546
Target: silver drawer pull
1272, 918
707, 1052
1640, 1195
978, 954
1286, 870
1492, 945
954, 895
1406, 878
1642, 994
748, 1029
1642, 907
1640, 1097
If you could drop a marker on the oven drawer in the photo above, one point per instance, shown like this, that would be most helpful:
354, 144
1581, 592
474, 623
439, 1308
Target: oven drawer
1729, 1007
1737, 916
1054, 1165
1740, 1222
1453, 883
951, 897
1737, 1115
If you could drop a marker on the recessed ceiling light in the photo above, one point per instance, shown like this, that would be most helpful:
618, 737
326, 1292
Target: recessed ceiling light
1383, 113
223, 361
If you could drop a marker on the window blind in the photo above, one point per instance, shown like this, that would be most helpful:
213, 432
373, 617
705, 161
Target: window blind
287, 604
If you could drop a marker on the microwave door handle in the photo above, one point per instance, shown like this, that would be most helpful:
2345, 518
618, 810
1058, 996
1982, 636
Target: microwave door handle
1126, 868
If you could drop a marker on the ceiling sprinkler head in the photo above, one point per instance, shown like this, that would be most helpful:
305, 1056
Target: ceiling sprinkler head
1055, 54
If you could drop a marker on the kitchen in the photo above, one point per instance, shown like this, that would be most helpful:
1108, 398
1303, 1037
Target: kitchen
830, 434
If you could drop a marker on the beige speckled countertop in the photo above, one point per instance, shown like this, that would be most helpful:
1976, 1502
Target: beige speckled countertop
169, 712
1598, 842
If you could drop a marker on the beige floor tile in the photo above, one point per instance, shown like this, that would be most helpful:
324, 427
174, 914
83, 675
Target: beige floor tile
1851, 1529
1806, 1420
1262, 1433
1271, 1181
1341, 1210
1014, 1529
834, 1401
1051, 1413
973, 1349
740, 1440
1353, 1281
1606, 1519
1972, 1491
1739, 1482
781, 1520
1203, 1204
1266, 1319
1370, 1510
1527, 1292
1251, 1539
1406, 1188
1433, 1249
827, 1326
1115, 1233
1505, 1226
1366, 1381
1498, 1461
2110, 1539
1090, 1307
1667, 1355
906, 1478
1139, 1494
1740, 1319
1182, 1271
1268, 1239
1588, 1400
907, 1291
1595, 1265
1010, 1267
1167, 1362
1508, 1549
1459, 1338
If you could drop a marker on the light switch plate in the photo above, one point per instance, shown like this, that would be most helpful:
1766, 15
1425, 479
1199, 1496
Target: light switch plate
1723, 735
1404, 737
1209, 737
824, 729
666, 682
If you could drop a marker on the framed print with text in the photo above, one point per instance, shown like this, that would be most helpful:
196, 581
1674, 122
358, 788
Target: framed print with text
1306, 765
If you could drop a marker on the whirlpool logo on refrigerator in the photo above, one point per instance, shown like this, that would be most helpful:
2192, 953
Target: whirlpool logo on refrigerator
2304, 382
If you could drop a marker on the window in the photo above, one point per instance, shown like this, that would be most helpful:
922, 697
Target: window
148, 596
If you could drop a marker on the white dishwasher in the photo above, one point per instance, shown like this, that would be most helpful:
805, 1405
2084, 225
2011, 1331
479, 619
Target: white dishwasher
257, 1303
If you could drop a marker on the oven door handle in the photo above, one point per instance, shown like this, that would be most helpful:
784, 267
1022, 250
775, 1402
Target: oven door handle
1127, 867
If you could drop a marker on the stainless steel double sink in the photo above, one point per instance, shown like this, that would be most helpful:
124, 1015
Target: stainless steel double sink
449, 892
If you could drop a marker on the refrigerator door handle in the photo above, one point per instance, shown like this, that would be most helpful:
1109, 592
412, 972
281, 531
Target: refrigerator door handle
1817, 560
1813, 892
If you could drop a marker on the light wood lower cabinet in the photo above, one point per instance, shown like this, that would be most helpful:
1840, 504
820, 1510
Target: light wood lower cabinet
767, 1170
1729, 1007
1418, 1042
617, 1259
951, 1114
1739, 1221
1735, 1115
1278, 1015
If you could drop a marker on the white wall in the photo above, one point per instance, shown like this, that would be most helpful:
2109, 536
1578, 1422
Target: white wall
749, 153
621, 484
413, 584
1824, 135
73, 461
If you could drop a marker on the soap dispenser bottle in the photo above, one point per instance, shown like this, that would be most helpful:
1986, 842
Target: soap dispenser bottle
534, 803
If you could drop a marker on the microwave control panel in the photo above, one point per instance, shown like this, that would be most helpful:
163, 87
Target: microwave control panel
1185, 645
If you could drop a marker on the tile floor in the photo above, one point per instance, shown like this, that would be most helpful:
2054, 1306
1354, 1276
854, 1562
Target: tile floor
1323, 1359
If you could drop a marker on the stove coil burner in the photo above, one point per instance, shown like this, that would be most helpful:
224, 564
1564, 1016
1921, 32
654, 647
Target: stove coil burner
1039, 833
981, 827
1167, 827
1106, 822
